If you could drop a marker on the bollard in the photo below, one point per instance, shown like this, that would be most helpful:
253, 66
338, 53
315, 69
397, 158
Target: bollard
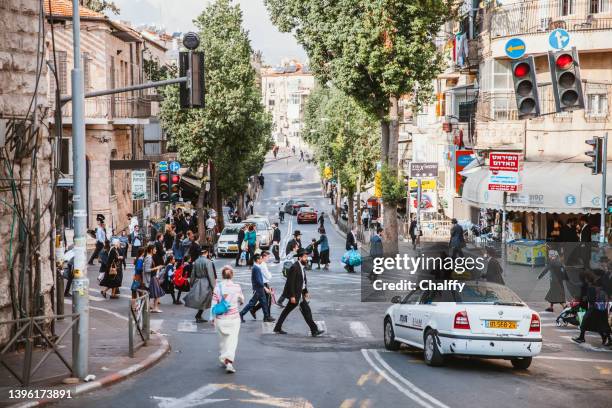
131, 333
146, 323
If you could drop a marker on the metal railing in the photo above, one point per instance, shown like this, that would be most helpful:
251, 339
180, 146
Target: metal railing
535, 16
113, 107
30, 333
139, 322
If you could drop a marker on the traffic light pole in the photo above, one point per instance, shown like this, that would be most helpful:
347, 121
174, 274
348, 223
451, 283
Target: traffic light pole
604, 201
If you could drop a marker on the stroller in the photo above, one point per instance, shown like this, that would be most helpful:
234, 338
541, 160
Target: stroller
569, 315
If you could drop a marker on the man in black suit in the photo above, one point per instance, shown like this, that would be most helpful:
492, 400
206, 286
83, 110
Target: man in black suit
585, 242
297, 239
297, 292
241, 235
351, 243
276, 239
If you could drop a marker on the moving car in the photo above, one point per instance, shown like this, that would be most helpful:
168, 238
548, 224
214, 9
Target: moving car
484, 319
292, 206
227, 244
263, 228
307, 214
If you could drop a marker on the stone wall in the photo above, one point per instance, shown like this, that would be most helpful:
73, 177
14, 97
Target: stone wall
19, 20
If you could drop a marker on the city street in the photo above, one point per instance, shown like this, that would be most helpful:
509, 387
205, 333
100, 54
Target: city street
348, 365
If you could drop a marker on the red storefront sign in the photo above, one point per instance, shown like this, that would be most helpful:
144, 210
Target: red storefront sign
503, 161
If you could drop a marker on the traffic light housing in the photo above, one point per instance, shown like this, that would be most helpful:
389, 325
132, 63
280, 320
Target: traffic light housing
191, 93
175, 188
596, 155
163, 186
609, 204
525, 88
567, 86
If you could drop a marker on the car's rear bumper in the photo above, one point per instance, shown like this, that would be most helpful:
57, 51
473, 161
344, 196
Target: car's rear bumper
491, 346
223, 250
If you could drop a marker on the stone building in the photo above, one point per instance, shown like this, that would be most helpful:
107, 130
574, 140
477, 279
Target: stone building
26, 153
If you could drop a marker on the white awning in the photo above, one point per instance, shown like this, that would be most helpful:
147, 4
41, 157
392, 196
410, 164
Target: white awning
547, 188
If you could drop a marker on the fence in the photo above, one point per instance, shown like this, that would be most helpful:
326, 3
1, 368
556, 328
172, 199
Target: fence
30, 333
139, 322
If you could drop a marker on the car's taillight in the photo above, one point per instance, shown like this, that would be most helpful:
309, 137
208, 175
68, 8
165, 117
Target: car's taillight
534, 326
461, 321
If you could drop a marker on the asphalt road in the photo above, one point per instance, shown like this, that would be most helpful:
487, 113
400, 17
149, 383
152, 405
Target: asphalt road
348, 366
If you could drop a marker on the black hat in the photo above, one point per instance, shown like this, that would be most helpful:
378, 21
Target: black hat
301, 252
296, 233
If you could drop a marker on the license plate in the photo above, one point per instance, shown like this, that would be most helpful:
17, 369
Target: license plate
500, 324
233, 247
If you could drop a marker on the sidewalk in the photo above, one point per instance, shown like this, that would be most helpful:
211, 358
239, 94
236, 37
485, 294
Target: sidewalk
108, 359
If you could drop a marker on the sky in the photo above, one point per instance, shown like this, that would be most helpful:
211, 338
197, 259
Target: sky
178, 15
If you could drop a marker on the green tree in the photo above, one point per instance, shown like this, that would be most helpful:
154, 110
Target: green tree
101, 6
345, 136
375, 51
233, 131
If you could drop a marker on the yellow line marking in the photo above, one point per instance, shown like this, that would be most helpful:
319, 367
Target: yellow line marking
348, 403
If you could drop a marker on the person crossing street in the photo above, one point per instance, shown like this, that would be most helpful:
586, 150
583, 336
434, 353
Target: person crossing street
276, 239
259, 291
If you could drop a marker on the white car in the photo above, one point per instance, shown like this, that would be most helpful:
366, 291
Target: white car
227, 244
484, 319
263, 229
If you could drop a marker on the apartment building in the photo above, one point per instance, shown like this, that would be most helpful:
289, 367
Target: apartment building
285, 90
475, 112
113, 55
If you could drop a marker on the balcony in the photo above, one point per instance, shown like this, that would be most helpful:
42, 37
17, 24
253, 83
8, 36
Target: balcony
115, 109
535, 16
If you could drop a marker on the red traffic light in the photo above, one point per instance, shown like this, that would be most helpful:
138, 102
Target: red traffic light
176, 179
163, 178
521, 70
564, 61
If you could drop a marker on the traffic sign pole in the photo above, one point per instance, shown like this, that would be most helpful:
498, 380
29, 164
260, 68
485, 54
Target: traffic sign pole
604, 168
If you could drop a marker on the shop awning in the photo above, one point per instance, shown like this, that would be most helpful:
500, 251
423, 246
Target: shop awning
547, 188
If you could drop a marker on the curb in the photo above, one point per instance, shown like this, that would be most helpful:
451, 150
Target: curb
110, 379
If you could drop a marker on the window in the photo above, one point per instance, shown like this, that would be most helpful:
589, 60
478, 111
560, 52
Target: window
599, 6
597, 104
413, 298
502, 79
567, 7
271, 102
295, 99
62, 68
87, 71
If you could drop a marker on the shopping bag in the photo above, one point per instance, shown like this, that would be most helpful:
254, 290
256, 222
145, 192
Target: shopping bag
351, 258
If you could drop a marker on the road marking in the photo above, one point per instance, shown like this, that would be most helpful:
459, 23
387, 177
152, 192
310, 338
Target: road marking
577, 359
397, 385
369, 376
360, 330
187, 326
194, 399
348, 403
155, 324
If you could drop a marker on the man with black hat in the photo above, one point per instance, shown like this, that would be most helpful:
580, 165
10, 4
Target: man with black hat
297, 239
276, 239
296, 290
100, 238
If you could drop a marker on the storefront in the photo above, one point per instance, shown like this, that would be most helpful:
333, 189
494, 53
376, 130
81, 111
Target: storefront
552, 194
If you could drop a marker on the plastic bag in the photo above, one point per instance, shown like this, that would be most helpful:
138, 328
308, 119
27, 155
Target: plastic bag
351, 258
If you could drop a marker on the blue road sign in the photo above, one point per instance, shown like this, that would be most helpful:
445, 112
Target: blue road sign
163, 166
559, 39
175, 166
515, 48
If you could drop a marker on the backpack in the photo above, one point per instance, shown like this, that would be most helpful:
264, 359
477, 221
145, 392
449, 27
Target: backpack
179, 279
286, 266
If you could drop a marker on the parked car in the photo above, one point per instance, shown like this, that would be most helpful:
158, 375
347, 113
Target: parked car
307, 214
263, 228
292, 206
484, 319
227, 244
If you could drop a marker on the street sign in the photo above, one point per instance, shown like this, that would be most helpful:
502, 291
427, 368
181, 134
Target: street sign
505, 181
515, 48
139, 184
175, 166
163, 166
559, 39
420, 170
505, 161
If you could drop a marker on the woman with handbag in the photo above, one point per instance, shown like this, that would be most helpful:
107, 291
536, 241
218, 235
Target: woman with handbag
149, 275
227, 297
113, 275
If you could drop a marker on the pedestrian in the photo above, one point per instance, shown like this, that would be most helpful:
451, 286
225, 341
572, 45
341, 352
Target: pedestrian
287, 264
313, 252
159, 250
202, 283
457, 240
296, 290
293, 150
267, 277
113, 273
251, 238
137, 240
556, 269
261, 180
240, 241
227, 324
169, 235
177, 248
276, 239
100, 241
180, 279
365, 218
376, 248
321, 221
259, 292
585, 243
137, 278
297, 239
301, 155
412, 231
323, 245
595, 318
569, 237
281, 213
103, 259
351, 244
195, 249
149, 275
250, 207
133, 222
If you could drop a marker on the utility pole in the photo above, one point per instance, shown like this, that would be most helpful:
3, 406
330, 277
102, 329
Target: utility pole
604, 201
80, 284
